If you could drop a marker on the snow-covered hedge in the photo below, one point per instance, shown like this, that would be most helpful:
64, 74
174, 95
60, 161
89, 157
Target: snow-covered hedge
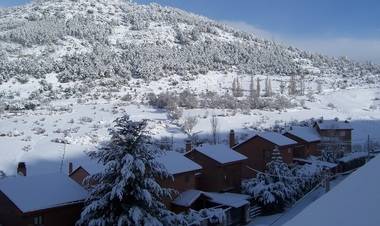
280, 186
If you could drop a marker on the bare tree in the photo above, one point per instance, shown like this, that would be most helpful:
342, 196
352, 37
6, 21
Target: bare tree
302, 84
282, 87
189, 124
214, 128
258, 87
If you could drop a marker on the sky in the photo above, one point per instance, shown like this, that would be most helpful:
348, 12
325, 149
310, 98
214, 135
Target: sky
333, 27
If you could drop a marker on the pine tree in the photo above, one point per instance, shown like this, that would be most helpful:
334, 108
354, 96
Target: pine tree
252, 91
292, 85
239, 88
234, 87
282, 87
126, 192
252, 98
268, 87
258, 87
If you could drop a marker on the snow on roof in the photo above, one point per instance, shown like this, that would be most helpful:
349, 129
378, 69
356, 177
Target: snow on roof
91, 166
221, 153
353, 156
33, 193
235, 200
305, 133
229, 199
334, 124
187, 198
273, 137
277, 138
176, 163
318, 162
355, 201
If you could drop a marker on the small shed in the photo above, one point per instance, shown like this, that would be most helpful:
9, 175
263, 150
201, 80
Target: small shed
236, 205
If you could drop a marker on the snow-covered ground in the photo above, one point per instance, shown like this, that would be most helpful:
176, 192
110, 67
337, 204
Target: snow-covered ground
30, 136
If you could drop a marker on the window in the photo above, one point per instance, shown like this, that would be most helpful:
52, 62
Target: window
342, 133
38, 220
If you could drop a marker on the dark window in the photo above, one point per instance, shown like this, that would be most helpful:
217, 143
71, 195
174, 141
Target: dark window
38, 220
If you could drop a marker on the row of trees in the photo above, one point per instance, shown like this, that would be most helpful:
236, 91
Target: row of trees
174, 102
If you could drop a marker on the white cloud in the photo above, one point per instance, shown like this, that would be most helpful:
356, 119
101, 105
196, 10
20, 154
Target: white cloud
364, 49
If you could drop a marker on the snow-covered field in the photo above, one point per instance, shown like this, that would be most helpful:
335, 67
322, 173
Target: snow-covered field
36, 136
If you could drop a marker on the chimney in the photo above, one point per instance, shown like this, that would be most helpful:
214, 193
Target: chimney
232, 138
21, 169
188, 147
70, 167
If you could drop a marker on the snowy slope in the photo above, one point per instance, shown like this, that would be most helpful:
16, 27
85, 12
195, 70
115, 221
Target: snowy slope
31, 136
55, 49
353, 202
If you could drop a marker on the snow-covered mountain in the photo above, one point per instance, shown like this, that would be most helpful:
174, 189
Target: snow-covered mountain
73, 47
68, 68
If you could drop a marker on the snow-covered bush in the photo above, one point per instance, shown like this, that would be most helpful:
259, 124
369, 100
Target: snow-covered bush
2, 174
208, 216
280, 186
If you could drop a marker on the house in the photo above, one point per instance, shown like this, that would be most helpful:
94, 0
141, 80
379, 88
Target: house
236, 206
49, 200
222, 167
259, 147
336, 136
83, 170
308, 141
183, 170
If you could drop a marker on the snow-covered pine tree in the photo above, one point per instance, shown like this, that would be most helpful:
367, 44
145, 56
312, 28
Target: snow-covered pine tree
276, 187
268, 87
292, 85
258, 87
126, 192
282, 87
252, 91
282, 173
239, 89
252, 98
234, 87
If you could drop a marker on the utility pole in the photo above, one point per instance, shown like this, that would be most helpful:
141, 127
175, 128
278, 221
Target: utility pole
64, 152
368, 147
